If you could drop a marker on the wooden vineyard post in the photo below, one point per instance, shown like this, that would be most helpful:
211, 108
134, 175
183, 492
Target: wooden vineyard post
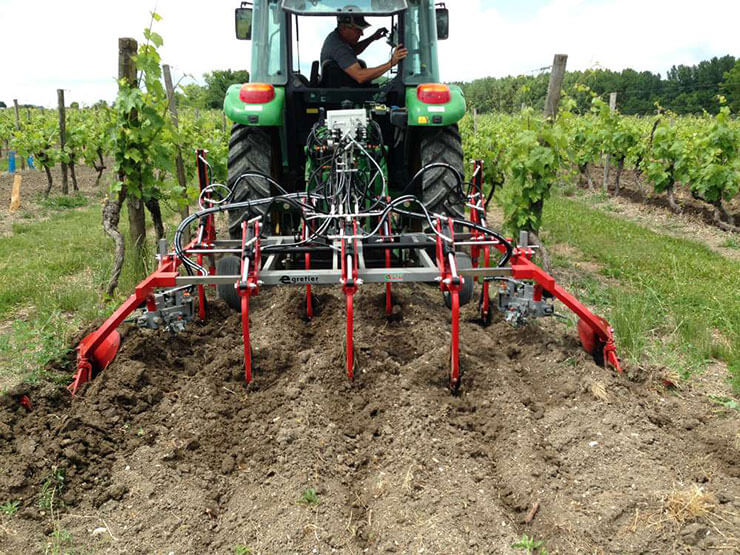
612, 107
557, 74
112, 208
15, 195
552, 102
63, 138
179, 164
136, 209
18, 128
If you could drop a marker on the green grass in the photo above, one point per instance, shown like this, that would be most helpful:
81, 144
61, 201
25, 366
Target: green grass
731, 243
310, 497
10, 507
51, 489
530, 545
54, 273
671, 301
61, 202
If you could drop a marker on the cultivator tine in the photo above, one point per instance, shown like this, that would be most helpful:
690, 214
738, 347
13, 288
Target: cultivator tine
245, 338
307, 266
451, 282
455, 346
206, 228
385, 233
248, 284
350, 282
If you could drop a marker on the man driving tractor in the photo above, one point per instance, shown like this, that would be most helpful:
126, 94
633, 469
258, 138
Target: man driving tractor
339, 62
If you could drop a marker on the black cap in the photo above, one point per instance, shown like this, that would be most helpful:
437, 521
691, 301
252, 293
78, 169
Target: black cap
356, 20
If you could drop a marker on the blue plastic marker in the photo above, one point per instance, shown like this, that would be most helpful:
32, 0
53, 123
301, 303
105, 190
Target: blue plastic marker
30, 163
11, 161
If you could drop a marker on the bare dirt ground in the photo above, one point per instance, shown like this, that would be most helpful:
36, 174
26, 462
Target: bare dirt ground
33, 184
166, 451
638, 203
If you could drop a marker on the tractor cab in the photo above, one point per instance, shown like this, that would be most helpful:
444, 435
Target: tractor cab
289, 91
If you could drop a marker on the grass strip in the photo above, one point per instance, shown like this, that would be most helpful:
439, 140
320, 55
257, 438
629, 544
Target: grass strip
54, 273
671, 296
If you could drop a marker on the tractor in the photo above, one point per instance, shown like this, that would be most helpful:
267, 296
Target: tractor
277, 110
342, 186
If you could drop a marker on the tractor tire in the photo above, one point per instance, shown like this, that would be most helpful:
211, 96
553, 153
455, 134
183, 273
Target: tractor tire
464, 262
229, 265
250, 148
440, 192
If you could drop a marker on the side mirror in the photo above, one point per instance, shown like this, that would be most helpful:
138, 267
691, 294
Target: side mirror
243, 20
443, 21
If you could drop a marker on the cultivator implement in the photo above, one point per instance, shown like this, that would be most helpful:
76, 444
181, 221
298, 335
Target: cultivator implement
350, 233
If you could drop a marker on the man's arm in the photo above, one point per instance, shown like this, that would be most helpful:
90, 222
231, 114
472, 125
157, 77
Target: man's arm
360, 47
363, 75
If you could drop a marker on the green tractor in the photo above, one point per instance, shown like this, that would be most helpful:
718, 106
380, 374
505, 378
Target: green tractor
276, 113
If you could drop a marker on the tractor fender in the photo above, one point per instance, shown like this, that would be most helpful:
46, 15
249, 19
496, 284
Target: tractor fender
435, 115
269, 114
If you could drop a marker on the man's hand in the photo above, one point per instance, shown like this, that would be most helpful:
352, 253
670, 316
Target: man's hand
380, 33
398, 54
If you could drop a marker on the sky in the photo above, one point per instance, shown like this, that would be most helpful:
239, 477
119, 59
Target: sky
73, 45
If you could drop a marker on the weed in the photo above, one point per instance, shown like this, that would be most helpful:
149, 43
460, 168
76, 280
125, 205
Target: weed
726, 402
61, 202
59, 543
242, 550
530, 545
310, 497
140, 432
51, 489
10, 508
730, 243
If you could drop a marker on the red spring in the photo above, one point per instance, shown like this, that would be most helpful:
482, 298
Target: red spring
201, 295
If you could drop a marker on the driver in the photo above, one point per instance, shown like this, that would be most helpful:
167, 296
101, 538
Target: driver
343, 45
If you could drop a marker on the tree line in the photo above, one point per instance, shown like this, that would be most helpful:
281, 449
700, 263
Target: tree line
684, 90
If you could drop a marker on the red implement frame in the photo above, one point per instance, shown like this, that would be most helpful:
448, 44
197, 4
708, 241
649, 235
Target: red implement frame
248, 284
450, 282
97, 350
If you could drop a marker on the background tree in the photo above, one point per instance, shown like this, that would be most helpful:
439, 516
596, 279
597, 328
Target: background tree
731, 87
217, 81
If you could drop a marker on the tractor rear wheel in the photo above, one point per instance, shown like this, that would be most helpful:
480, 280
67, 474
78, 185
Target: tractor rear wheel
440, 191
464, 262
229, 265
250, 148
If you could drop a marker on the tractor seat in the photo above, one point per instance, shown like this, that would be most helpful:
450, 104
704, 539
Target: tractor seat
315, 77
299, 80
334, 77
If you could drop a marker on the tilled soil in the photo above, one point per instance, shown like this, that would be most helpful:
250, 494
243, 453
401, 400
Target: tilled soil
34, 183
167, 451
633, 187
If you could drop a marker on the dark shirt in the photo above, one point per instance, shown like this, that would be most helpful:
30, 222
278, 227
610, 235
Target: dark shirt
335, 49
